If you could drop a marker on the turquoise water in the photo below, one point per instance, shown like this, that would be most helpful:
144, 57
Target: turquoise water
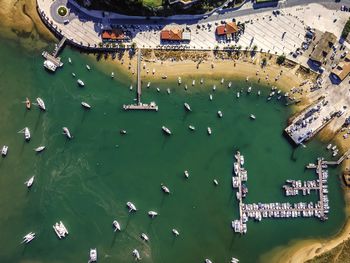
87, 181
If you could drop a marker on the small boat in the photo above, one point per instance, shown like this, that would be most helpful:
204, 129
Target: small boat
186, 173
88, 67
41, 103
252, 116
158, 90
70, 60
241, 159
152, 214
210, 97
136, 254
187, 106
238, 94
165, 189
175, 232
229, 84
93, 255
164, 77
30, 182
80, 83
234, 260
259, 92
329, 146
85, 105
131, 206
222, 81
166, 130
144, 237
39, 149
220, 114
214, 87
202, 80
249, 89
153, 71
28, 237
26, 133
112, 75
185, 87
4, 150
215, 182
73, 74
246, 79
209, 130
116, 225
60, 230
148, 84
123, 132
168, 91
28, 104
193, 82
179, 80
67, 133
208, 261
191, 127
130, 87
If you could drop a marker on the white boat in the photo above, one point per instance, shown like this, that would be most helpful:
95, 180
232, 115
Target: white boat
93, 255
152, 214
88, 67
220, 114
131, 206
202, 80
179, 80
116, 226
4, 150
144, 237
168, 91
80, 83
60, 230
30, 182
238, 94
192, 128
50, 65
187, 106
41, 103
26, 133
28, 237
209, 130
165, 189
112, 75
39, 149
186, 173
185, 87
236, 168
234, 260
241, 159
222, 81
148, 84
153, 71
70, 60
252, 116
166, 130
67, 133
259, 92
229, 84
214, 87
175, 232
215, 182
193, 82
85, 105
158, 90
136, 254
210, 97
208, 261
249, 89
73, 74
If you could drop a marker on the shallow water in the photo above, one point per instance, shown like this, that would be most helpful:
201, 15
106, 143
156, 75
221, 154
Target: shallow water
87, 181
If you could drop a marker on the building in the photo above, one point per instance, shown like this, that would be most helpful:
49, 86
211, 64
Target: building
175, 34
114, 35
342, 70
227, 29
323, 47
184, 4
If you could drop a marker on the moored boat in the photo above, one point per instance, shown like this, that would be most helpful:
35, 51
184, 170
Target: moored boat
187, 106
191, 127
88, 67
131, 206
186, 173
215, 182
70, 60
30, 182
28, 238
39, 149
210, 97
26, 132
93, 255
144, 237
175, 232
209, 130
80, 83
152, 214
165, 189
112, 75
28, 104
252, 116
208, 261
60, 230
220, 114
4, 150
166, 130
238, 94
249, 89
67, 132
41, 103
136, 254
116, 225
85, 105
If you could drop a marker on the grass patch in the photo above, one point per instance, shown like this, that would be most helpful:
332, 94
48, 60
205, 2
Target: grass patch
152, 3
346, 29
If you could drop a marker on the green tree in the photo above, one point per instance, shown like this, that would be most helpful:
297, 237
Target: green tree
280, 59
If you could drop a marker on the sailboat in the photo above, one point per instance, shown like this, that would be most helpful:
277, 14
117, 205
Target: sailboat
30, 182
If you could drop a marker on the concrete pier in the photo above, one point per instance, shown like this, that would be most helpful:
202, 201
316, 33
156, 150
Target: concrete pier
52, 61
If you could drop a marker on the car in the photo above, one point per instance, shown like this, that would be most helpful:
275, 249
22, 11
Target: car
66, 21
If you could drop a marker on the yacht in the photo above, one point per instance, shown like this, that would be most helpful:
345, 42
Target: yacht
210, 97
4, 150
236, 168
208, 261
191, 127
166, 130
238, 94
229, 84
249, 89
93, 255
60, 230
144, 237
88, 67
41, 104
116, 226
28, 237
67, 133
214, 87
39, 149
152, 214
28, 104
130, 87
186, 173
165, 189
215, 182
80, 83
112, 75
175, 232
136, 254
193, 82
252, 116
187, 106
131, 206
209, 130
168, 91
30, 182
179, 80
220, 114
49, 65
73, 74
70, 60
148, 84
85, 105
26, 133
234, 260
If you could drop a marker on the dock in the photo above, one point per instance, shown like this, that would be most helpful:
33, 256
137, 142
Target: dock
340, 160
53, 61
139, 105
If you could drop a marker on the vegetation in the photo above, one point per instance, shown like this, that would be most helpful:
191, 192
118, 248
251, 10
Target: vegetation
152, 3
280, 59
264, 62
341, 253
346, 29
62, 11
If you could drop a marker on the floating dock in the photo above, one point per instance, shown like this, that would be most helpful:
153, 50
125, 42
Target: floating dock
52, 61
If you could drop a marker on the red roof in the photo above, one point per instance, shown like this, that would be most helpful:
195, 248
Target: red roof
171, 34
228, 28
115, 34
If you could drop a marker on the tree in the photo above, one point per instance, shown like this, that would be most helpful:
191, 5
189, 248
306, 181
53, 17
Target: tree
264, 62
255, 47
133, 45
281, 59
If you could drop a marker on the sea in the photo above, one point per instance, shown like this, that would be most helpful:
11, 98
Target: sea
87, 181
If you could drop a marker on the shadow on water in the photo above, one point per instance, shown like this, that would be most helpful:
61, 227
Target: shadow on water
162, 201
128, 221
114, 238
38, 121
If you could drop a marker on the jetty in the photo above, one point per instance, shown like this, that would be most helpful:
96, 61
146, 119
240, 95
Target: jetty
139, 105
53, 61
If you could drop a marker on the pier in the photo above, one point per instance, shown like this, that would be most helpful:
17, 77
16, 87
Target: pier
52, 61
139, 105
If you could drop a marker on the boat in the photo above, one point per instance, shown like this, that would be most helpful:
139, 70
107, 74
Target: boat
241, 159
252, 116
234, 260
26, 133
209, 130
80, 83
39, 149
88, 67
166, 130
130, 87
164, 77
246, 79
116, 226
165, 189
93, 255
215, 182
214, 87
220, 114
136, 254
112, 75
148, 84
222, 81
202, 80
60, 230
329, 146
187, 106
144, 237
175, 232
168, 91
236, 168
30, 182
186, 173
229, 84
50, 65
28, 104
70, 60
28, 238
208, 261
259, 92
4, 150
185, 87
179, 80
152, 214
131, 206
41, 103
238, 94
249, 89
210, 97
123, 132
193, 82
73, 74
67, 133
191, 127
85, 105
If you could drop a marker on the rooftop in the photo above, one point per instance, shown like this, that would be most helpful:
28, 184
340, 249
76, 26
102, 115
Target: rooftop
342, 70
323, 47
228, 28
